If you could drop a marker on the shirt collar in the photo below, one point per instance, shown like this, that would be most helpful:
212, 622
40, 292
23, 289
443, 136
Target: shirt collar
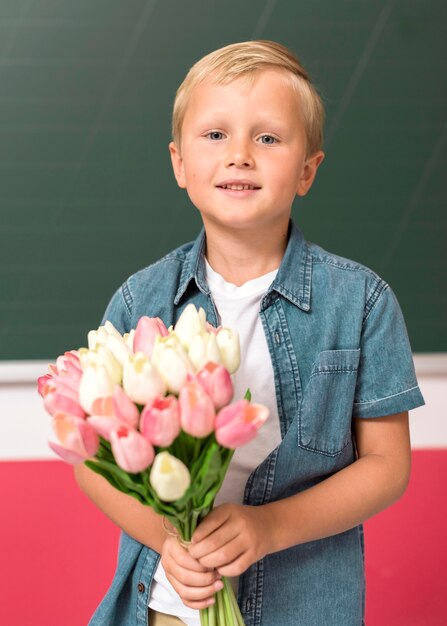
293, 280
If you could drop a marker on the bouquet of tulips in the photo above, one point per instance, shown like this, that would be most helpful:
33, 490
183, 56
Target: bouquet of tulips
151, 412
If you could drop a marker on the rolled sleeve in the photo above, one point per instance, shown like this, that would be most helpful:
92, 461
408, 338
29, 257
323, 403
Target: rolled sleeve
386, 382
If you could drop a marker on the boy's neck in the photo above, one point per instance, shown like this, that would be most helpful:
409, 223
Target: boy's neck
239, 256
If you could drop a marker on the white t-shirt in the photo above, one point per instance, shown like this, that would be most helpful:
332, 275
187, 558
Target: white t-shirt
238, 307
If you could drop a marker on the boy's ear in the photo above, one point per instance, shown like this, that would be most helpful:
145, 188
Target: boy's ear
309, 172
177, 165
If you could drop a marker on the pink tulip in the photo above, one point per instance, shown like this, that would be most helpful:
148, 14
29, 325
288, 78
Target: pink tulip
124, 408
118, 406
160, 421
103, 406
238, 423
216, 381
104, 424
54, 402
42, 384
147, 329
68, 365
196, 410
60, 393
75, 441
132, 452
60, 388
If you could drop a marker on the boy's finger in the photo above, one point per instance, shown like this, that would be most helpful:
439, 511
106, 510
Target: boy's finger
224, 556
212, 521
191, 578
180, 556
213, 542
196, 594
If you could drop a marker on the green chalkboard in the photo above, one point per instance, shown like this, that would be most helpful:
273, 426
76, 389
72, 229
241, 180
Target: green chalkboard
87, 195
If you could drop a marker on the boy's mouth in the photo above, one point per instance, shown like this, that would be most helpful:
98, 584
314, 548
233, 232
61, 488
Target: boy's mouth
238, 185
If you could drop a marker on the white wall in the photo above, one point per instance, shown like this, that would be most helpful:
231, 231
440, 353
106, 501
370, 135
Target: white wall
24, 424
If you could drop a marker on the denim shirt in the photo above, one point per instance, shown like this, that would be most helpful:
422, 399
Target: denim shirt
340, 350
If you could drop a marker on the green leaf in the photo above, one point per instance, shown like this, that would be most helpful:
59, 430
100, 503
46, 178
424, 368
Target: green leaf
127, 483
248, 395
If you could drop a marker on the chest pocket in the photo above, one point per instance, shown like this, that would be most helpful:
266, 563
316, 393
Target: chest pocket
326, 410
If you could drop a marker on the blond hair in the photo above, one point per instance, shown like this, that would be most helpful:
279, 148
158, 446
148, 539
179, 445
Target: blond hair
244, 60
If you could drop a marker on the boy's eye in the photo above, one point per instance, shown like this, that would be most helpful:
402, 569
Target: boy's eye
214, 134
268, 139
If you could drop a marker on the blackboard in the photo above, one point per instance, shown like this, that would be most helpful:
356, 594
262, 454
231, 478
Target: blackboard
87, 195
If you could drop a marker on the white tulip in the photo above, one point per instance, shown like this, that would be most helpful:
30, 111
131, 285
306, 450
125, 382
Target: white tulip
189, 324
141, 381
119, 348
128, 339
228, 342
97, 338
101, 355
95, 383
169, 477
203, 348
111, 330
171, 362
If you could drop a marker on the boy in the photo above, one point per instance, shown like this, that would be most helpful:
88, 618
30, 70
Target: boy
324, 346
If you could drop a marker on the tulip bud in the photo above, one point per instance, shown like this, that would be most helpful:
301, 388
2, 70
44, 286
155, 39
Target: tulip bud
111, 330
119, 349
43, 384
128, 339
238, 423
103, 425
228, 342
124, 408
141, 381
101, 355
54, 402
171, 362
96, 338
169, 477
160, 421
147, 330
68, 365
217, 383
132, 452
196, 410
103, 406
75, 440
203, 348
189, 324
95, 383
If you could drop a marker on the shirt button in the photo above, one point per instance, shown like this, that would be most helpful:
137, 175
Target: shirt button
141, 587
248, 604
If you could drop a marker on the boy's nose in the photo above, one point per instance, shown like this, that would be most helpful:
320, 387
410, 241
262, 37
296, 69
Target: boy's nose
239, 155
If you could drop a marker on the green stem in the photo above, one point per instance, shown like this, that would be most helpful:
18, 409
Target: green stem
239, 620
220, 609
204, 617
227, 591
212, 615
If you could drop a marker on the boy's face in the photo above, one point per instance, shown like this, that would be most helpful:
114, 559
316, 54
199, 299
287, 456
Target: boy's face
240, 135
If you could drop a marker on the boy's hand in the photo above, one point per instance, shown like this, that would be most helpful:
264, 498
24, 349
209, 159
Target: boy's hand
231, 538
195, 584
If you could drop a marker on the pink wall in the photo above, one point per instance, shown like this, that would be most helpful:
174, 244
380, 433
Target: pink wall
58, 552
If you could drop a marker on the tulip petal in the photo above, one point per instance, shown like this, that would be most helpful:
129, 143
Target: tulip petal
54, 402
104, 424
132, 452
124, 408
75, 440
238, 423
